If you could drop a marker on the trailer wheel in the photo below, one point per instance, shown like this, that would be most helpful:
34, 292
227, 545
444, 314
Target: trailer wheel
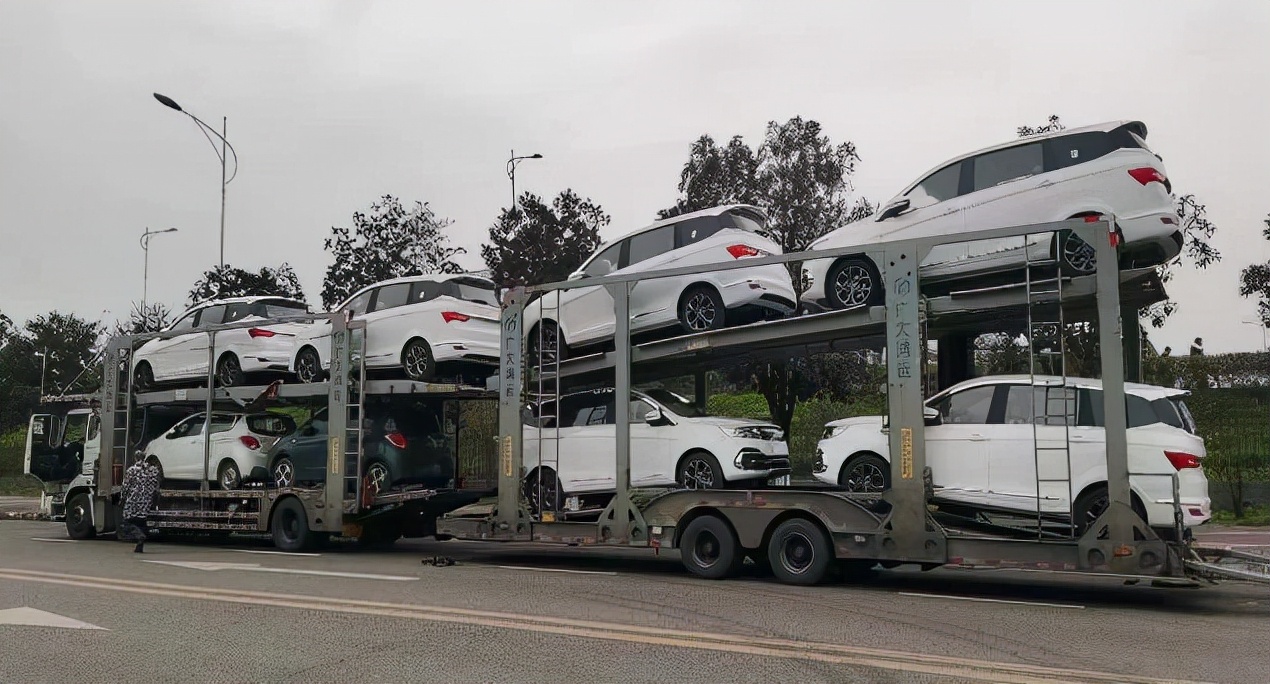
290, 526
709, 549
79, 517
800, 552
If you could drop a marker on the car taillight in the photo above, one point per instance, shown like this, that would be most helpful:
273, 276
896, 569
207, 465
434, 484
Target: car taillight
396, 439
451, 316
1147, 174
742, 251
1181, 459
260, 332
250, 442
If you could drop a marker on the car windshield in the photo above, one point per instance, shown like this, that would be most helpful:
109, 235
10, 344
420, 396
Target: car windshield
676, 404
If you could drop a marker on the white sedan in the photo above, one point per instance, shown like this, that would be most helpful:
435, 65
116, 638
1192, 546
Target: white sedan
706, 300
414, 323
239, 447
672, 443
1105, 169
983, 451
183, 355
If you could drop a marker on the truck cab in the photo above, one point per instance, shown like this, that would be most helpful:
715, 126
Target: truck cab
62, 448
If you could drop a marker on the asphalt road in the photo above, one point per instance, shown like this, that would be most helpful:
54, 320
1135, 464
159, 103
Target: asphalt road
198, 611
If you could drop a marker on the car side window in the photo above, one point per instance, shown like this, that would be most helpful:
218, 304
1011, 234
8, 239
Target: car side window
968, 407
695, 230
359, 303
187, 321
1140, 412
937, 187
426, 291
638, 409
223, 423
605, 262
1044, 405
1078, 148
189, 428
649, 244
236, 312
212, 315
392, 296
993, 168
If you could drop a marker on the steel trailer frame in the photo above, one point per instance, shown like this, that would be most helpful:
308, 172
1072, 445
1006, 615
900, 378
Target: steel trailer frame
898, 527
328, 508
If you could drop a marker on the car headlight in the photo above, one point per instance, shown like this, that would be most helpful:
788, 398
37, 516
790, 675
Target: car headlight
833, 431
746, 432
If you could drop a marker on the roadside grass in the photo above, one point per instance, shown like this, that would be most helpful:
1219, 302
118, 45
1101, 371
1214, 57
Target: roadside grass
12, 481
20, 485
1253, 516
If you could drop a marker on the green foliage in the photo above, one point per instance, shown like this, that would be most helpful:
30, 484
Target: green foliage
227, 281
808, 422
153, 318
390, 241
1255, 281
1251, 515
12, 480
538, 243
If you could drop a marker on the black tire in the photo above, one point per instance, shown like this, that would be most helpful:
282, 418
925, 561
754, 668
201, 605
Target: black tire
308, 366
552, 340
229, 371
378, 477
865, 474
79, 517
709, 549
854, 282
154, 460
700, 470
701, 309
143, 377
289, 526
1093, 502
418, 362
283, 472
228, 476
1075, 256
552, 494
800, 552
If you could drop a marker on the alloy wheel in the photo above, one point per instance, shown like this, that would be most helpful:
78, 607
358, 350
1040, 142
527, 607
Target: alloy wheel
229, 372
377, 474
700, 311
284, 473
418, 361
865, 478
1080, 255
306, 367
853, 285
698, 474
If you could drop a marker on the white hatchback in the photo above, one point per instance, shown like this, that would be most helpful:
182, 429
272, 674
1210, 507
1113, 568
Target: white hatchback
1098, 170
239, 352
706, 300
415, 324
239, 447
983, 451
673, 442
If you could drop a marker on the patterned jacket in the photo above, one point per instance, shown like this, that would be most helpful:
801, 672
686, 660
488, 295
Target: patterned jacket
140, 489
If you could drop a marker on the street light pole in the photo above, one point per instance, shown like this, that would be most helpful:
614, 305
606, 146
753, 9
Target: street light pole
145, 247
220, 154
511, 171
44, 364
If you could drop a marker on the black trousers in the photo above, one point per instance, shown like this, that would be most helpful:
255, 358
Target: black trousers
134, 529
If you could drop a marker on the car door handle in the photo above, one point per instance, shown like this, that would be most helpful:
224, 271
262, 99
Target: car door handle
977, 437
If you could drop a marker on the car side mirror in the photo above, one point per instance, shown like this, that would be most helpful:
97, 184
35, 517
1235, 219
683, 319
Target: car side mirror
653, 417
894, 209
577, 275
932, 417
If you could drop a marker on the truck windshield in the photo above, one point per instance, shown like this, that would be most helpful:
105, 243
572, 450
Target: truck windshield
676, 404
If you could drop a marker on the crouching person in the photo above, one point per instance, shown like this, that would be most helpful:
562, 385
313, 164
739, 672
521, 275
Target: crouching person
140, 494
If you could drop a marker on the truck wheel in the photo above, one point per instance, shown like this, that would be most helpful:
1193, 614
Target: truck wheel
290, 526
800, 552
79, 517
709, 549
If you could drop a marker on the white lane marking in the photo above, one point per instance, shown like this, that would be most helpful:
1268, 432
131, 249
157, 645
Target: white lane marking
571, 572
990, 600
60, 541
255, 567
277, 553
32, 617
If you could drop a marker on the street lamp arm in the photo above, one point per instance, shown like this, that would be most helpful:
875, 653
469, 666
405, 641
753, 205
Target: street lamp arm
205, 129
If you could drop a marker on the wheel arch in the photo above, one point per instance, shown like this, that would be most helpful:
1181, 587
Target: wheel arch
856, 456
700, 512
1135, 498
679, 301
695, 450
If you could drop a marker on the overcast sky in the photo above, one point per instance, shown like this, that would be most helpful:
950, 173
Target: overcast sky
331, 104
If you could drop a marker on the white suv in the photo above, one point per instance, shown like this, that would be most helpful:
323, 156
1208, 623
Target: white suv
672, 443
707, 300
981, 453
239, 352
415, 324
1098, 170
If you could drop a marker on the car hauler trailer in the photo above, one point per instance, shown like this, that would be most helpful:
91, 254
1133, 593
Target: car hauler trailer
119, 421
804, 533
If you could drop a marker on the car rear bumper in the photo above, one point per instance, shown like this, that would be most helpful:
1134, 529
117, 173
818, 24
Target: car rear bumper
476, 352
766, 287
